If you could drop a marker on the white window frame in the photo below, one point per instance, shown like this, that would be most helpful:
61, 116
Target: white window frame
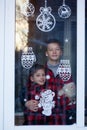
9, 69
2, 32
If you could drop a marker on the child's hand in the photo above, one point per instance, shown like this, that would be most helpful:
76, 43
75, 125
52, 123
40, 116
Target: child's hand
32, 105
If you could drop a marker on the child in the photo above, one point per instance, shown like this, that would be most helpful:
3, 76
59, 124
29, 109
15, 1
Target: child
36, 88
54, 53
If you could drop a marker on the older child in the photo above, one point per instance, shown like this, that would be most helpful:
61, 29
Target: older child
54, 53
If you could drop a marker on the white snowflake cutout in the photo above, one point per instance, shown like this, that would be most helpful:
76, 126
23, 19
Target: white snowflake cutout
45, 21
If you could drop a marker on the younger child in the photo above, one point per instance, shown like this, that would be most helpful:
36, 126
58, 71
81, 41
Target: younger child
35, 86
37, 91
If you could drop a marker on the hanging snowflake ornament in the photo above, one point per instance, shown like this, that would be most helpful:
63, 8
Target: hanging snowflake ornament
28, 58
64, 11
28, 9
64, 70
45, 21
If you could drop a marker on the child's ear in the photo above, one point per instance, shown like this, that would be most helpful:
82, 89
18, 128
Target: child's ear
31, 78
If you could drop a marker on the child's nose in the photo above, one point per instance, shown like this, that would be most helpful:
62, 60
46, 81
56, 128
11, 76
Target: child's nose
42, 77
54, 51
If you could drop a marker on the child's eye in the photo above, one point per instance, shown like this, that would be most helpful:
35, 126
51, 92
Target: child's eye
38, 75
43, 75
58, 49
50, 50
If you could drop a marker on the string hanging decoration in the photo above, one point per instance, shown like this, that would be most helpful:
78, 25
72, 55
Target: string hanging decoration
45, 21
64, 70
64, 11
28, 58
28, 9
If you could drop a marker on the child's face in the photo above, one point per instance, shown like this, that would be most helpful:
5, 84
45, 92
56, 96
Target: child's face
39, 77
53, 52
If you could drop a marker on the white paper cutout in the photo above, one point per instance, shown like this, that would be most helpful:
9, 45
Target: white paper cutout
46, 102
28, 58
64, 11
28, 9
45, 21
64, 70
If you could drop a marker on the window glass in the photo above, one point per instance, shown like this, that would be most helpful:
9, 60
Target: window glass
33, 28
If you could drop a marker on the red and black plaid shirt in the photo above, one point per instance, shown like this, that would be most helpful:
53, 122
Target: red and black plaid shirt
34, 118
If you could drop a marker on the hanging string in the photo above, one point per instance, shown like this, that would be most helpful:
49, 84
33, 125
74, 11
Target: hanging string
63, 2
45, 3
27, 1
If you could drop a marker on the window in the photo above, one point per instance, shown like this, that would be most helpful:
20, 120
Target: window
75, 49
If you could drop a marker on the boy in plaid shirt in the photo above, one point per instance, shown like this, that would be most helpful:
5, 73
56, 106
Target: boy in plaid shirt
54, 53
62, 113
